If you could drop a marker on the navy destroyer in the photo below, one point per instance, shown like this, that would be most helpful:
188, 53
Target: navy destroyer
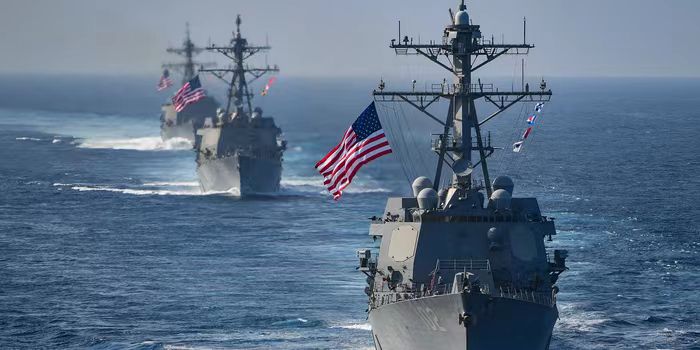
462, 266
238, 148
183, 124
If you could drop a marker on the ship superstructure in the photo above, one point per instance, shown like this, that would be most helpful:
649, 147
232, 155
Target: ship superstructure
183, 124
464, 265
239, 149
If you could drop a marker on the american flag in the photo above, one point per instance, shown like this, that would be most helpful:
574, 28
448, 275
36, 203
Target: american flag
189, 93
362, 143
165, 81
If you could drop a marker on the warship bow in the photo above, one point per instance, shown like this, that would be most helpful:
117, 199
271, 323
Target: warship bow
464, 265
239, 149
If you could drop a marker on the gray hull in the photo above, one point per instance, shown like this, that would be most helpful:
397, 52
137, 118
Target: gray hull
185, 131
433, 323
246, 175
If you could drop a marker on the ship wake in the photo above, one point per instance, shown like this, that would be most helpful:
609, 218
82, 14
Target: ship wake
154, 143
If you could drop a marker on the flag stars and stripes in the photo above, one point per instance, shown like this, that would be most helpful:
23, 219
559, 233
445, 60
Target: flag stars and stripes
165, 81
363, 142
188, 94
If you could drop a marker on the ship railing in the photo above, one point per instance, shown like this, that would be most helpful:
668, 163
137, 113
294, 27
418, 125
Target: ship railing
384, 295
464, 265
527, 295
446, 88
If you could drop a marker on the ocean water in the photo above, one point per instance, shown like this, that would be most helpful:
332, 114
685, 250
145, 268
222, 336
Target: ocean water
106, 241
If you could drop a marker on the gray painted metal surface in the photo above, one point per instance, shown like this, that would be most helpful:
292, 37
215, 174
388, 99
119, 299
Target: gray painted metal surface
247, 175
184, 123
239, 149
462, 266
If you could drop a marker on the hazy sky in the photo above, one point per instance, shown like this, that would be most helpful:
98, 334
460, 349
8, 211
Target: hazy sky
349, 38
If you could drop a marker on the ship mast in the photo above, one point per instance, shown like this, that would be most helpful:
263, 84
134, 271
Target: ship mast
462, 52
238, 85
188, 51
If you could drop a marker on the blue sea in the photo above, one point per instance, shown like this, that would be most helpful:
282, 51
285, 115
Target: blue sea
107, 242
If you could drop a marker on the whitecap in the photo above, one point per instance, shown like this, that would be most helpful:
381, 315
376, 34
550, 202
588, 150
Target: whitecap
173, 183
355, 326
138, 144
137, 192
27, 139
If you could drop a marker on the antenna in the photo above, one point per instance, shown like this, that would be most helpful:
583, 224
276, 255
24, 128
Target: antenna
236, 75
524, 30
462, 59
522, 72
399, 30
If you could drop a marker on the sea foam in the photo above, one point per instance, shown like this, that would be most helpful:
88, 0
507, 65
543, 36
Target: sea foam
154, 143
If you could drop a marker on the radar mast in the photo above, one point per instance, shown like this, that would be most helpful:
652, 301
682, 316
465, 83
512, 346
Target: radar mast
238, 51
462, 51
188, 51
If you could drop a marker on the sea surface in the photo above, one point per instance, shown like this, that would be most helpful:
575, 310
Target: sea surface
107, 242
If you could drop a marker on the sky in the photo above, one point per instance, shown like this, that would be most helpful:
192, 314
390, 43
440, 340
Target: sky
330, 38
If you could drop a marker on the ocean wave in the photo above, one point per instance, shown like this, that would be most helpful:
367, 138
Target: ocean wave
187, 191
139, 144
173, 183
355, 326
138, 192
315, 184
572, 318
27, 139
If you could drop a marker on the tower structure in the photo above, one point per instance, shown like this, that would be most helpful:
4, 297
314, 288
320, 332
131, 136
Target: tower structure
236, 76
462, 51
188, 51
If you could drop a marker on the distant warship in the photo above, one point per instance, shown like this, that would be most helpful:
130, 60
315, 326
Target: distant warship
183, 124
239, 149
463, 266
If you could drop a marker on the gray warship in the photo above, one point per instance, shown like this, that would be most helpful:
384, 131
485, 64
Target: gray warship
183, 124
463, 266
239, 149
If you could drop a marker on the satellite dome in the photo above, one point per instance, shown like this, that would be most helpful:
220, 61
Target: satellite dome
442, 195
500, 199
427, 199
462, 18
421, 183
503, 183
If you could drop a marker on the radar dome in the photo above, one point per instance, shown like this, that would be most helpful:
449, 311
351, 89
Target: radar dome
427, 199
419, 184
500, 199
462, 18
442, 195
503, 183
